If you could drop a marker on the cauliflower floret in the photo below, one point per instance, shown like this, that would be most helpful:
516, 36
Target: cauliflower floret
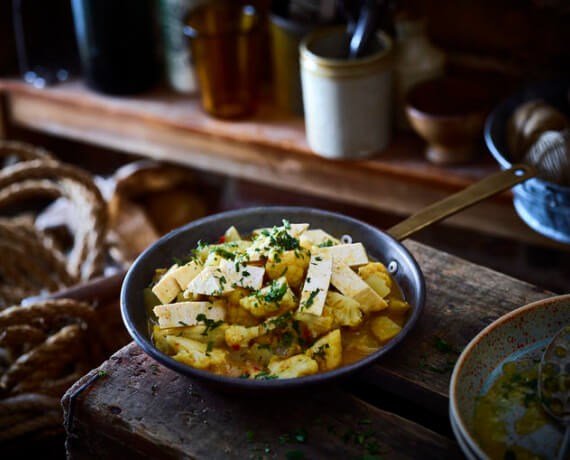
375, 268
239, 336
295, 366
327, 351
316, 325
290, 264
346, 311
274, 299
195, 354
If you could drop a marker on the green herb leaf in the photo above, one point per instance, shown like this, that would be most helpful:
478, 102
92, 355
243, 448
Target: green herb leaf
300, 435
249, 435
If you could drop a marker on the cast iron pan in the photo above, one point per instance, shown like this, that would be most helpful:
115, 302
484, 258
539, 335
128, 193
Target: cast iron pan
382, 246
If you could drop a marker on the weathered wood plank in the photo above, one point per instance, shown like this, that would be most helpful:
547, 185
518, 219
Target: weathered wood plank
462, 298
144, 409
269, 148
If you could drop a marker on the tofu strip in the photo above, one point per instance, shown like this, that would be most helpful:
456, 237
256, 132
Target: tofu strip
348, 254
314, 293
351, 285
183, 314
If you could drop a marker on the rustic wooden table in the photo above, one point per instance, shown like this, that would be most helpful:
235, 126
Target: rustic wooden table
140, 408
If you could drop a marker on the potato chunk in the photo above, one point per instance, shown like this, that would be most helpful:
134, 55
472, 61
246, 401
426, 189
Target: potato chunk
295, 366
272, 300
195, 354
327, 351
290, 264
232, 234
397, 307
346, 311
384, 328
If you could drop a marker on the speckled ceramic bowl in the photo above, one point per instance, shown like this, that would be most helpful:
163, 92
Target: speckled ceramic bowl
512, 335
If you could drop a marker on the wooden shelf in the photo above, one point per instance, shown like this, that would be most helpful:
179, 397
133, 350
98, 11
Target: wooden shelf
269, 148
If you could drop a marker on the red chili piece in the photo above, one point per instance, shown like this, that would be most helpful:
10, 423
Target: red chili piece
235, 347
222, 239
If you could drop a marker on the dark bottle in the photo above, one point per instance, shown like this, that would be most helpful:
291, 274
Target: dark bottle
45, 43
117, 44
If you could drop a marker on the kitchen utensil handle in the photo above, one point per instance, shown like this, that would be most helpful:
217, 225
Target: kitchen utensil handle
565, 447
473, 194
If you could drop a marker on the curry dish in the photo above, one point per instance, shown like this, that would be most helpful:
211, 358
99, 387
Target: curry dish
288, 302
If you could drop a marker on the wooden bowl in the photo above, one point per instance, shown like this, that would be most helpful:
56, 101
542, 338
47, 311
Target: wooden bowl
449, 114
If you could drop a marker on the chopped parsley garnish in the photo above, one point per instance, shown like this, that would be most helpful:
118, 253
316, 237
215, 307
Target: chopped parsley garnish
246, 273
210, 323
182, 323
320, 353
222, 280
102, 374
443, 347
307, 303
300, 435
245, 375
224, 253
153, 388
209, 348
326, 244
275, 294
249, 435
178, 261
318, 259
264, 375
287, 339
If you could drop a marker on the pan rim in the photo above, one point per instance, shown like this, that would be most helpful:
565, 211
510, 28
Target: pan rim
249, 384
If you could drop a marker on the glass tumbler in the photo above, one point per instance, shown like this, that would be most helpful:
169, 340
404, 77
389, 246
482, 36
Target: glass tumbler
225, 42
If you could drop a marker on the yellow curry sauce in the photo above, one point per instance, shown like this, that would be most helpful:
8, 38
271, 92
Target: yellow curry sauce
276, 325
515, 389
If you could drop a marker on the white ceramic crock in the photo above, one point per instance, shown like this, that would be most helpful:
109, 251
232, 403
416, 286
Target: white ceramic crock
347, 103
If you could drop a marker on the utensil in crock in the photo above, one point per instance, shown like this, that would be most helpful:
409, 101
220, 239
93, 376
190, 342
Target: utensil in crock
553, 384
382, 246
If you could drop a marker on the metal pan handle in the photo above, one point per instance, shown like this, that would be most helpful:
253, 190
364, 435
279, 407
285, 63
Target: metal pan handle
473, 194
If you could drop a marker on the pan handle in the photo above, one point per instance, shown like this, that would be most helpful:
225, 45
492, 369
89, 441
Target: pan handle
459, 201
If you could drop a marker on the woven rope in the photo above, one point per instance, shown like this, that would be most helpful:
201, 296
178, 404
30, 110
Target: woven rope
34, 242
23, 151
21, 333
23, 261
78, 186
53, 343
50, 419
40, 175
